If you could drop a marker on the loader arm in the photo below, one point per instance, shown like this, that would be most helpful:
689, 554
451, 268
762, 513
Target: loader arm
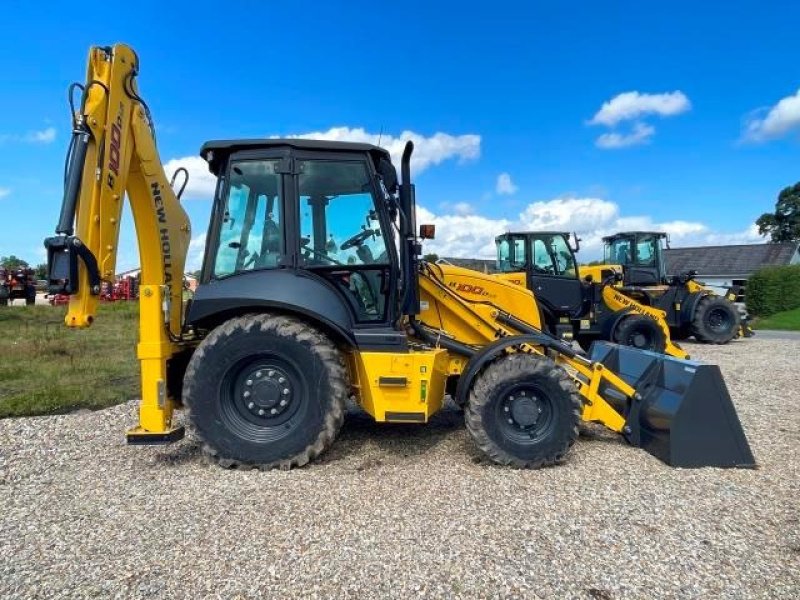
113, 155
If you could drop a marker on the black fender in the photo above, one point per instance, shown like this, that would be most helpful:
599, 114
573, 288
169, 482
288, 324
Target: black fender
288, 291
488, 353
689, 306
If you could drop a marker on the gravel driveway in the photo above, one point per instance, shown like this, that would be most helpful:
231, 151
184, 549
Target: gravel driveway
396, 510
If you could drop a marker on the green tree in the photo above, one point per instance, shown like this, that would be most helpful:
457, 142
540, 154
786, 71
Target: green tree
41, 271
431, 257
12, 262
784, 224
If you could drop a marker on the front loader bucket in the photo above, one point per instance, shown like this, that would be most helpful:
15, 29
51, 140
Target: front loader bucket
685, 416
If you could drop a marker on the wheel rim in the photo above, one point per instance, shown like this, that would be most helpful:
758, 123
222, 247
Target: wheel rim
260, 398
640, 338
718, 320
526, 414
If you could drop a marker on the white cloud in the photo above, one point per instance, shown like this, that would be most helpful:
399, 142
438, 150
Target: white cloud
633, 105
472, 236
202, 182
641, 134
630, 106
428, 151
775, 122
431, 150
4, 192
194, 256
505, 185
45, 136
461, 235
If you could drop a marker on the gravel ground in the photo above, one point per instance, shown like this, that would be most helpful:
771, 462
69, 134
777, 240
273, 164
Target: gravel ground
396, 510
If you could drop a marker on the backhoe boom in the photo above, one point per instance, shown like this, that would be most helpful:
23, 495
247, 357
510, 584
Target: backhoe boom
113, 154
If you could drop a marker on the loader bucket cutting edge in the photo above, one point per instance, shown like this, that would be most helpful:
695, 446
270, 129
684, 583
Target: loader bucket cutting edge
685, 416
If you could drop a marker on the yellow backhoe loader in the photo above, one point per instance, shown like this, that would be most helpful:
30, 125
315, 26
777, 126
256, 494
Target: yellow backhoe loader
312, 291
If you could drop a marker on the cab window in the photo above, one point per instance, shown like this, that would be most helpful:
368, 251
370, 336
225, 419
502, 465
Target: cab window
552, 256
251, 233
618, 252
338, 221
511, 255
645, 250
341, 236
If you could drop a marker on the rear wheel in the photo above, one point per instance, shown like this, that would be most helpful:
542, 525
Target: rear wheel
523, 411
640, 332
266, 391
716, 320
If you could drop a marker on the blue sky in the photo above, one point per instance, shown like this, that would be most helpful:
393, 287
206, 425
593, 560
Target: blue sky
510, 88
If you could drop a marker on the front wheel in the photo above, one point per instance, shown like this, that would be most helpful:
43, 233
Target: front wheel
523, 411
640, 332
716, 320
266, 391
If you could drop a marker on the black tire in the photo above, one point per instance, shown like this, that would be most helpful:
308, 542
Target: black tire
716, 320
640, 332
539, 399
235, 389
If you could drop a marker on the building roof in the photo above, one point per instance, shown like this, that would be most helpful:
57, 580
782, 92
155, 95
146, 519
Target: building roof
740, 260
476, 264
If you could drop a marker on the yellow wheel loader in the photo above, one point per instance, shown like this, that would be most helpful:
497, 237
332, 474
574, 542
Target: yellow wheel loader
690, 308
312, 291
576, 309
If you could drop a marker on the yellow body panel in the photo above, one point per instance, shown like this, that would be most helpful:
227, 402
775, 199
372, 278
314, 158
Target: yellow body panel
597, 272
617, 301
399, 386
472, 320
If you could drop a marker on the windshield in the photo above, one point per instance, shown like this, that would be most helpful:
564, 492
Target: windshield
618, 252
552, 256
511, 254
251, 232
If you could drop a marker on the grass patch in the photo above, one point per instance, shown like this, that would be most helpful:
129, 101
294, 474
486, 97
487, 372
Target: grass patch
47, 368
788, 320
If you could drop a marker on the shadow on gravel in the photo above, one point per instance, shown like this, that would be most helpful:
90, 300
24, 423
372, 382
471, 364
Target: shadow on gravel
381, 443
188, 451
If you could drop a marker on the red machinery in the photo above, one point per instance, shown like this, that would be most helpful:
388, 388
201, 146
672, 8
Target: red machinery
17, 283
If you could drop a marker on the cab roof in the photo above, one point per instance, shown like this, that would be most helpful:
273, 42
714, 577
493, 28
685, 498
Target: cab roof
626, 234
223, 148
533, 233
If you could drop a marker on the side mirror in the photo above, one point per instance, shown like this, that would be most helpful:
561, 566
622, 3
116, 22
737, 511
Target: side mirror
388, 175
427, 232
577, 242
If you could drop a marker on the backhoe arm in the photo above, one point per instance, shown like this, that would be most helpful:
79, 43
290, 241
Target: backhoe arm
113, 153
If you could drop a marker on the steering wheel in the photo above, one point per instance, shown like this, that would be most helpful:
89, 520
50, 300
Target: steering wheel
545, 270
322, 255
357, 239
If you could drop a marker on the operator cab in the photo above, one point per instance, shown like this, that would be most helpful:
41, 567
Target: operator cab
640, 255
549, 264
302, 219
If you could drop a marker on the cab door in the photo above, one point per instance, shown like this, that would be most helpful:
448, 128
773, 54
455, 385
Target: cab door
344, 237
553, 275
